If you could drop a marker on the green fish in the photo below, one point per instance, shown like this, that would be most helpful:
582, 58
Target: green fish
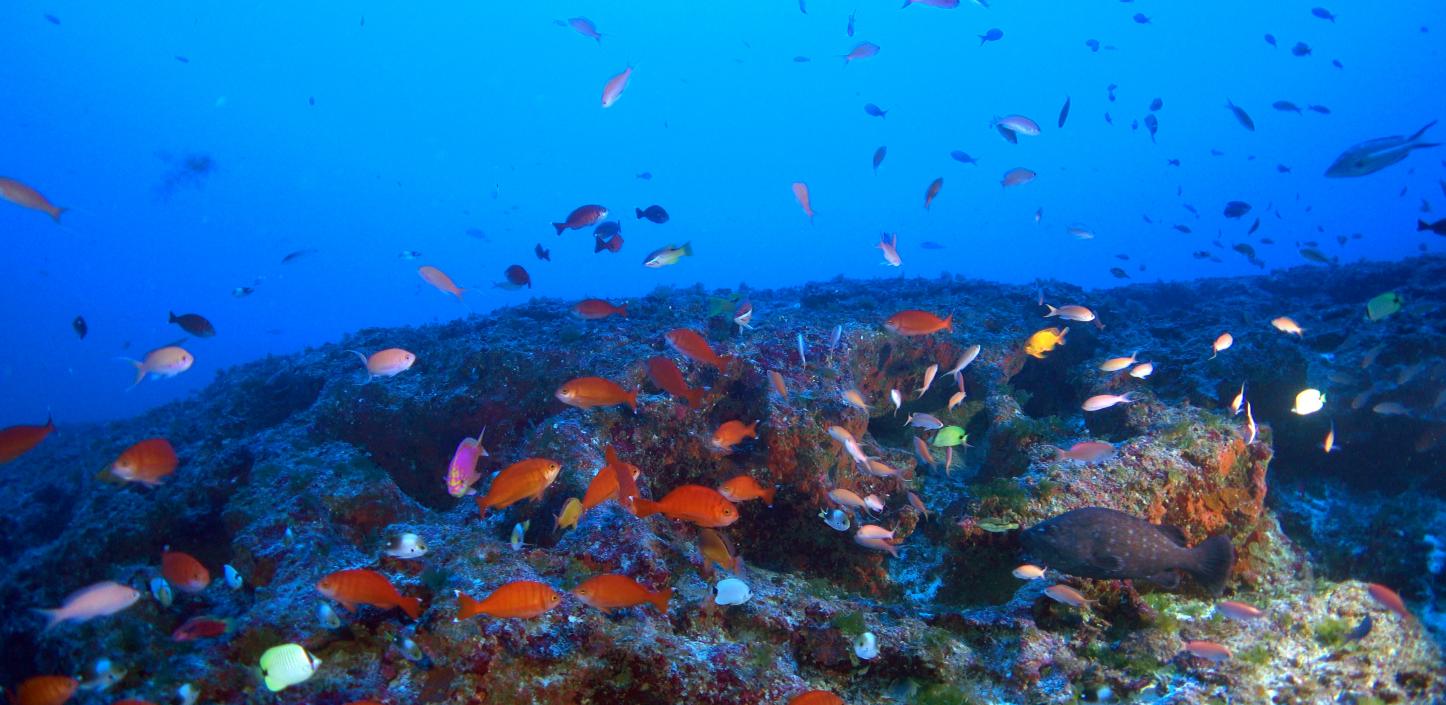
950, 436
666, 255
722, 305
1383, 305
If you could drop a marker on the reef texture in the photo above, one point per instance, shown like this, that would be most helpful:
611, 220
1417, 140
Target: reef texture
294, 467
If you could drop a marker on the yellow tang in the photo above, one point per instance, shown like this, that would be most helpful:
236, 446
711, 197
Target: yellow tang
1044, 341
571, 512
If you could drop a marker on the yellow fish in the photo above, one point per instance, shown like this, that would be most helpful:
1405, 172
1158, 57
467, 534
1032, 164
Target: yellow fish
570, 514
1044, 341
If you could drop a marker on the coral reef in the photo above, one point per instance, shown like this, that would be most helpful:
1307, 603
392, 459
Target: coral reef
294, 467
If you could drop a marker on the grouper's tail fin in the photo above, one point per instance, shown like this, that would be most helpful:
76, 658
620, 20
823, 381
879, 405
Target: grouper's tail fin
1213, 559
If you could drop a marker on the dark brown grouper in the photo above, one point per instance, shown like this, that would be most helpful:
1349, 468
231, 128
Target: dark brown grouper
1094, 542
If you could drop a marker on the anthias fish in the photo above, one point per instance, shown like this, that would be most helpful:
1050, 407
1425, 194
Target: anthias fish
1095, 542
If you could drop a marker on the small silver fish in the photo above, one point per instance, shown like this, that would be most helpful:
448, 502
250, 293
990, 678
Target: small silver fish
233, 578
802, 355
327, 616
833, 339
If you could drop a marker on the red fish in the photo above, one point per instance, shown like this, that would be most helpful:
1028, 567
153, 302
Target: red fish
201, 627
595, 309
918, 323
520, 598
581, 217
700, 505
147, 462
589, 392
613, 243
669, 378
366, 587
863, 51
517, 277
26, 197
612, 591
1388, 599
696, 348
16, 441
816, 697
613, 89
184, 572
933, 191
521, 480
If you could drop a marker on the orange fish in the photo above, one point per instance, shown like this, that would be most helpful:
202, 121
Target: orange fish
519, 598
147, 462
162, 362
594, 309
604, 485
816, 697
744, 488
524, 479
612, 591
800, 191
669, 378
16, 441
778, 385
918, 323
366, 587
45, 690
184, 572
716, 548
588, 392
701, 505
439, 279
386, 363
694, 347
731, 433
933, 191
26, 197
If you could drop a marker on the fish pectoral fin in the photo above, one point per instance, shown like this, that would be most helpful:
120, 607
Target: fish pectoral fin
1173, 533
1169, 579
1107, 562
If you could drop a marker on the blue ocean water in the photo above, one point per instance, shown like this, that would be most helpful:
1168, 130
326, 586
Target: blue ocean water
361, 130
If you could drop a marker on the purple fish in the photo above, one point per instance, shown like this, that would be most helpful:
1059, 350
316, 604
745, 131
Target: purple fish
462, 471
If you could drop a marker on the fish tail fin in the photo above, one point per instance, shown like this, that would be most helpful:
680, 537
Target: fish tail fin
55, 214
52, 618
412, 606
632, 401
597, 244
768, 493
687, 249
559, 227
173, 316
1412, 138
467, 607
949, 322
1421, 226
645, 508
1214, 558
1052, 310
481, 507
140, 370
660, 599
639, 211
623, 310
695, 397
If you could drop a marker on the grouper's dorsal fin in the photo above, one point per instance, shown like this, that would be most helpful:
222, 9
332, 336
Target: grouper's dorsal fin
1173, 533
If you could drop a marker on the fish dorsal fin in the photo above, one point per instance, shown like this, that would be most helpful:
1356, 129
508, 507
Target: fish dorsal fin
1173, 533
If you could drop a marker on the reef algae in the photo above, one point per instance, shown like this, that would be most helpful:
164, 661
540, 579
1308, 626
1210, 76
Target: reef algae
291, 469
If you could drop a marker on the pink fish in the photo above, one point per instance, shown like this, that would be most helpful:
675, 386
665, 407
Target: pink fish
1017, 176
863, 51
27, 197
1105, 401
941, 4
1087, 451
800, 191
615, 86
462, 471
